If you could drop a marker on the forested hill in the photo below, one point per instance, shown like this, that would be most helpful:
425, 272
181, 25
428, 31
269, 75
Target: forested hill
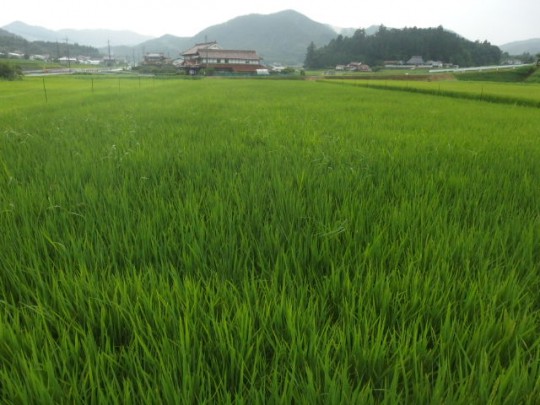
13, 43
401, 44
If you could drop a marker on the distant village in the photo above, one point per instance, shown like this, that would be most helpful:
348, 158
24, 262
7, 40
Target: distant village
415, 62
82, 60
211, 58
202, 57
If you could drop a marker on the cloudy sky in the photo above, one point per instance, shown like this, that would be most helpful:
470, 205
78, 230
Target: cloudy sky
498, 21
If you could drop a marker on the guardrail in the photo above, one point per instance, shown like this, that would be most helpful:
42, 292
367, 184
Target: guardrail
479, 68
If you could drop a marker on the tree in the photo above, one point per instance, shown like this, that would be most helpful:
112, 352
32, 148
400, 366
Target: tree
310, 60
9, 72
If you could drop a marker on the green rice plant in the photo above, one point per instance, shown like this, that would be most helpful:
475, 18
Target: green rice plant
525, 94
254, 241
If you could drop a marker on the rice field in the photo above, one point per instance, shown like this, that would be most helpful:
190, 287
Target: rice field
264, 241
527, 94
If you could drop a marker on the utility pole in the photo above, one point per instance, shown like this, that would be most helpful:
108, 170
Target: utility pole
67, 49
206, 46
109, 46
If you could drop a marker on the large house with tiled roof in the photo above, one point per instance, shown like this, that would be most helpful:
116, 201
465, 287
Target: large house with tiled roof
211, 55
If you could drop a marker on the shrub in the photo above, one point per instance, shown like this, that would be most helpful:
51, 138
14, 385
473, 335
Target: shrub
10, 72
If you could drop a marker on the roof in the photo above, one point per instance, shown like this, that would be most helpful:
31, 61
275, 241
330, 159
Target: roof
204, 45
154, 55
415, 60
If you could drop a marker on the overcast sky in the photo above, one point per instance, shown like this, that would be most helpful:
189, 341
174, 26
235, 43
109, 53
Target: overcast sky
498, 21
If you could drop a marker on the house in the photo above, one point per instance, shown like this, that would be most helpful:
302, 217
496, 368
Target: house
277, 68
156, 59
66, 60
43, 58
393, 63
416, 61
16, 55
434, 63
210, 55
512, 62
93, 62
358, 67
353, 67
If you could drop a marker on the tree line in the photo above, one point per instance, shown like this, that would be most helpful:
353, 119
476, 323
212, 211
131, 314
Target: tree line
390, 44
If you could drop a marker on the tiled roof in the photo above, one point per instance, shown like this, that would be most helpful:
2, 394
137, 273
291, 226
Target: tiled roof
197, 47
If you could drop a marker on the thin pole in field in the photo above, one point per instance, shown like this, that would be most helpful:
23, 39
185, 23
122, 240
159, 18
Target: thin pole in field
118, 85
45, 91
92, 85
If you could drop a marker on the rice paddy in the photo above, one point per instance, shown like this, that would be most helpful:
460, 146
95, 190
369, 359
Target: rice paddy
527, 94
264, 241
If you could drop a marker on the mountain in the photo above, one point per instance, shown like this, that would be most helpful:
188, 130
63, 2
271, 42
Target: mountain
372, 29
349, 32
170, 45
4, 33
30, 32
96, 38
10, 42
531, 46
346, 32
281, 37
